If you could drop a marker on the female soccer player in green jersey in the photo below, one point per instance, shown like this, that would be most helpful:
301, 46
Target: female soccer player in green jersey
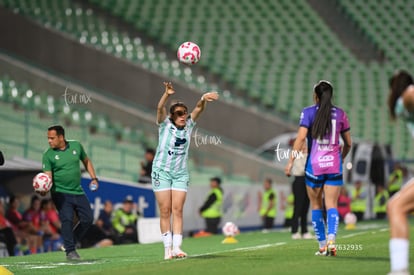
401, 105
170, 177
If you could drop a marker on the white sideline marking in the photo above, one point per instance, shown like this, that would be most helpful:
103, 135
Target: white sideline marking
362, 233
249, 248
31, 265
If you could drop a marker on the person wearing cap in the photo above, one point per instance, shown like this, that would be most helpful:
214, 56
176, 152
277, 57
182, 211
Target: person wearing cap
211, 210
125, 222
170, 177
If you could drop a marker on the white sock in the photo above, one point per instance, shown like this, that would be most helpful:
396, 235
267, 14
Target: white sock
331, 237
167, 239
399, 254
177, 240
322, 244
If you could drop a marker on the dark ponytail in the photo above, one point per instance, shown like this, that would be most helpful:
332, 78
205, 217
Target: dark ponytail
398, 84
322, 124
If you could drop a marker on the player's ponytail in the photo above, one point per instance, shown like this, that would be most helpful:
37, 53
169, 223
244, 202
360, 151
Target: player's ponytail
398, 84
322, 123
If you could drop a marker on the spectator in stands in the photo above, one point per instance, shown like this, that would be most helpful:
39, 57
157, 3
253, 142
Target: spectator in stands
6, 232
13, 214
61, 163
322, 125
146, 167
301, 199
125, 221
380, 202
401, 105
359, 198
32, 217
211, 210
50, 225
170, 177
95, 237
26, 234
104, 221
344, 203
268, 203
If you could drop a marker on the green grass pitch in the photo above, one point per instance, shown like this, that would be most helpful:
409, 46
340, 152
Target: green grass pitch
360, 251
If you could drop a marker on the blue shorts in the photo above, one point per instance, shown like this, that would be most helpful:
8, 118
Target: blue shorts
172, 180
319, 181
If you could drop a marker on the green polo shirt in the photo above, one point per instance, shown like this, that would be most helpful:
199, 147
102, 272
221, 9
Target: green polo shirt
65, 168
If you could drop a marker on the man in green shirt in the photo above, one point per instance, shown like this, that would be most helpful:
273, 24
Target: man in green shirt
61, 163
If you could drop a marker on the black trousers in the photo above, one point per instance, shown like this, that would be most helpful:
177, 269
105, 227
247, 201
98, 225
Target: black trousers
7, 237
212, 225
68, 205
268, 222
301, 205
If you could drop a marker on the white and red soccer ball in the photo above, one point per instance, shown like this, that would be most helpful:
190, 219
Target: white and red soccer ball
42, 182
189, 53
350, 219
230, 229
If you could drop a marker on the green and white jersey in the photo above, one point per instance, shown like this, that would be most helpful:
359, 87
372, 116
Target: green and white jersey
65, 167
173, 144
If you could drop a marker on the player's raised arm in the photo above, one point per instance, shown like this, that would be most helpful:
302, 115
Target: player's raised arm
201, 104
161, 110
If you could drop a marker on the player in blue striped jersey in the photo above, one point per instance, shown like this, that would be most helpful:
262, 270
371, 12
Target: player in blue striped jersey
170, 177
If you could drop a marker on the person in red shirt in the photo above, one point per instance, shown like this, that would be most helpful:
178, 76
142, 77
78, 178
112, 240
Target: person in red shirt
32, 217
24, 231
50, 225
6, 232
344, 203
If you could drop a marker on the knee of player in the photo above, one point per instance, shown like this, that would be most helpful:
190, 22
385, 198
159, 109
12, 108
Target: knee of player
165, 211
392, 207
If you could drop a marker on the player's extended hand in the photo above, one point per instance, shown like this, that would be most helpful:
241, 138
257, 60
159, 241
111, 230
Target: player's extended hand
93, 185
169, 88
288, 168
210, 96
42, 193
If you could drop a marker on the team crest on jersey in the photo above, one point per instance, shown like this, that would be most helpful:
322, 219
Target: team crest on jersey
74, 152
56, 156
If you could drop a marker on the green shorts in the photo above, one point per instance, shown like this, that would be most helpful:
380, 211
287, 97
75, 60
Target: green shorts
172, 180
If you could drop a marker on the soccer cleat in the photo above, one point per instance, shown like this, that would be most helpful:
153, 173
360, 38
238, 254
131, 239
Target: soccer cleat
178, 253
73, 256
331, 249
321, 252
168, 254
296, 236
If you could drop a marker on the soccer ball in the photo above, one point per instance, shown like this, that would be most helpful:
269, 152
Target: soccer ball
230, 229
189, 53
42, 182
350, 218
